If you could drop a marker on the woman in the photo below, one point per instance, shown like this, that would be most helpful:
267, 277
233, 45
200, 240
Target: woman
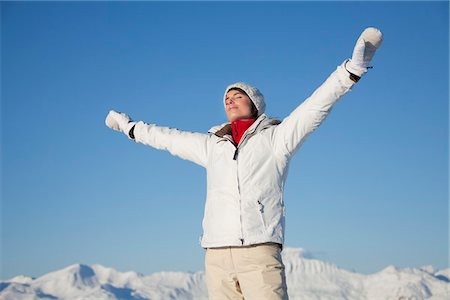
247, 161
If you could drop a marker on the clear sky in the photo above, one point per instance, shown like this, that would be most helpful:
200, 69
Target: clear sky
368, 189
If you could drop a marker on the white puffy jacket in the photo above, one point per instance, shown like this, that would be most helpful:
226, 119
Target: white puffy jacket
244, 203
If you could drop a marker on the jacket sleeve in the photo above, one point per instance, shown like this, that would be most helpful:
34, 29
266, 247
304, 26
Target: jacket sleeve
186, 145
293, 130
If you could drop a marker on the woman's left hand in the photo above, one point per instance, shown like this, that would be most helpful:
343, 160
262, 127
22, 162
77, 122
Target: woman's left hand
368, 42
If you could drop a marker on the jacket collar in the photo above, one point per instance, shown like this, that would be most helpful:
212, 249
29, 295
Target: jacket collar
262, 122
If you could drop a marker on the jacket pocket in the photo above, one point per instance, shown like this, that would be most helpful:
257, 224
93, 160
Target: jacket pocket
261, 213
271, 215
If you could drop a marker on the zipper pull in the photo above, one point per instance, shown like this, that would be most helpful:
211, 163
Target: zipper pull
242, 241
235, 154
261, 206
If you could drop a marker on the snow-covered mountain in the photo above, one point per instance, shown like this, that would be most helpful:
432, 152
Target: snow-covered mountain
307, 278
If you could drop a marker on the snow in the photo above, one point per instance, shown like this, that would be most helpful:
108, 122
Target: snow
307, 279
21, 279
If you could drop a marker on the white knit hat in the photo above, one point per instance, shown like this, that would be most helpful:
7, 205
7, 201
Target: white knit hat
252, 92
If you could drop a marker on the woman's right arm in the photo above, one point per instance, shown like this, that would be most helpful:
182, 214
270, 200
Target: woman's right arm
186, 145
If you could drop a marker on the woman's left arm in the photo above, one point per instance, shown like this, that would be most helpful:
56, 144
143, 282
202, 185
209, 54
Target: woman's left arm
295, 128
308, 116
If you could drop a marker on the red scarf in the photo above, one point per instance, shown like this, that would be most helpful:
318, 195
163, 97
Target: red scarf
239, 127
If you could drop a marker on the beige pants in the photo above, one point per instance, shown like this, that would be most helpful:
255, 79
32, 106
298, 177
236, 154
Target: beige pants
250, 272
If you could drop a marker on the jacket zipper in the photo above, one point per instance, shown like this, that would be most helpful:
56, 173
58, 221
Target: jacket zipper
239, 191
235, 156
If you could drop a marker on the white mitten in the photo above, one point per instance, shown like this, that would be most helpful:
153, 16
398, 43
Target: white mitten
119, 121
366, 45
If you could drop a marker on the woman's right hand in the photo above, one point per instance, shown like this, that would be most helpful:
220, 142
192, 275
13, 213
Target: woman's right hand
119, 121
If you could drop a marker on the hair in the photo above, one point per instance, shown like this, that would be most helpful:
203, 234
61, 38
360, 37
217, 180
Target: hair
253, 107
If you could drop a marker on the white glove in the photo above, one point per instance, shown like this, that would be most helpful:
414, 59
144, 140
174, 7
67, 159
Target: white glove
366, 45
119, 121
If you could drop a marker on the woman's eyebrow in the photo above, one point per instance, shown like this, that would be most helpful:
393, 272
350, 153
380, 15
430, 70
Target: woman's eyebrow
237, 92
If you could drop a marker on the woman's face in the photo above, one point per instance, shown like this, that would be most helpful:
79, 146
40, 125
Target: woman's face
238, 106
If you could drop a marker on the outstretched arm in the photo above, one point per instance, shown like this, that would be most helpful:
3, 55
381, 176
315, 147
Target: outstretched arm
308, 116
186, 145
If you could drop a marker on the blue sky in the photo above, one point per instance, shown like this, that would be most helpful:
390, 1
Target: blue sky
368, 189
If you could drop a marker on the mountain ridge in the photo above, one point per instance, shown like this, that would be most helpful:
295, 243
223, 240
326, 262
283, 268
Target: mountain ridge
307, 279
